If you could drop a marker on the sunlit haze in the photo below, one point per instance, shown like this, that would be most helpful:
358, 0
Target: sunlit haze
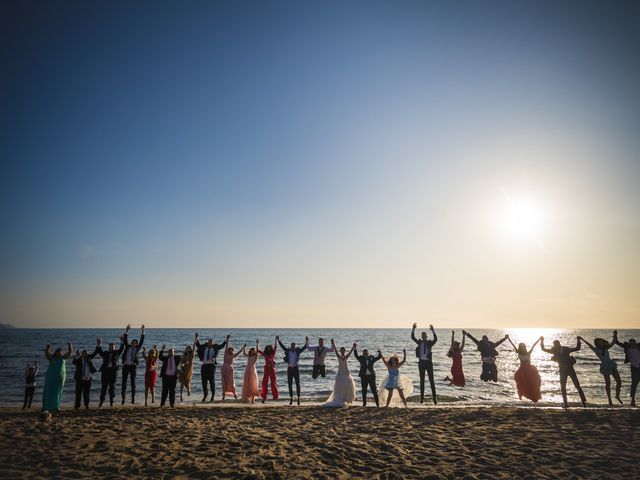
330, 164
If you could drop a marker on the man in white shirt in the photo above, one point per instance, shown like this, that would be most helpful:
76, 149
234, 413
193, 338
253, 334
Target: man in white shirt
292, 356
319, 356
169, 375
84, 372
207, 353
130, 362
423, 352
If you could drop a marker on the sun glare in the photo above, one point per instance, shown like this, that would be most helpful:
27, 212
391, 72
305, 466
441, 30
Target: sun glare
523, 219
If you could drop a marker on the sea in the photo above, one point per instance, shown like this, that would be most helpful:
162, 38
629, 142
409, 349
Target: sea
21, 346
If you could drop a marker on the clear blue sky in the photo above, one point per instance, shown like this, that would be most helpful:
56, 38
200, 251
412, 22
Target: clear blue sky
317, 163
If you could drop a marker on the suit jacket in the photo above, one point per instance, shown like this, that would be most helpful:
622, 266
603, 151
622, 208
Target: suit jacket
420, 342
366, 363
163, 358
127, 346
201, 347
77, 361
299, 350
106, 354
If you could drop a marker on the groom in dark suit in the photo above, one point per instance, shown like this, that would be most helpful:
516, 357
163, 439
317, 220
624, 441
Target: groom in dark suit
367, 375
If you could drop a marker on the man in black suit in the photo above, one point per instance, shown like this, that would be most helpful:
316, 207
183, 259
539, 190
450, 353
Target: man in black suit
82, 376
292, 356
109, 369
130, 362
169, 375
207, 353
367, 375
424, 354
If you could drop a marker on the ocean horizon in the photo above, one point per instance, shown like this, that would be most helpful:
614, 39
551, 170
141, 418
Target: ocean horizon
21, 345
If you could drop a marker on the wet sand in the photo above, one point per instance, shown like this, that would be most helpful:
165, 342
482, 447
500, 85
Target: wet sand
313, 442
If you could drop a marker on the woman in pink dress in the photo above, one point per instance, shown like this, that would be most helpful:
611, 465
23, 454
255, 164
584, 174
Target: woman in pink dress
527, 377
269, 374
226, 372
250, 380
150, 373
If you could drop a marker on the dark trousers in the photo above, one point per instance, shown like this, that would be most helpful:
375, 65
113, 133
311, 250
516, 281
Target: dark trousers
129, 371
208, 374
168, 388
28, 396
489, 372
367, 381
318, 370
427, 366
571, 373
293, 374
108, 379
635, 378
83, 390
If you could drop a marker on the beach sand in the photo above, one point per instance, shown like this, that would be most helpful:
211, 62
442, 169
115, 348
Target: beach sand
200, 442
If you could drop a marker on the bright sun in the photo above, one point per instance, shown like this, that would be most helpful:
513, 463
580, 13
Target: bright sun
523, 219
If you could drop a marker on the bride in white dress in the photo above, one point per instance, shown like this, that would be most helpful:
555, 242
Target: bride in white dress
344, 388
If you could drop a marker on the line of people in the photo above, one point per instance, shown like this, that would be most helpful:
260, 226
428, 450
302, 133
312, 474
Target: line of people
177, 368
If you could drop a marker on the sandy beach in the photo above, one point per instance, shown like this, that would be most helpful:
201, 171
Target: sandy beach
315, 442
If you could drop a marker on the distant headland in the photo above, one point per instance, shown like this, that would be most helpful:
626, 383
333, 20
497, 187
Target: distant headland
6, 326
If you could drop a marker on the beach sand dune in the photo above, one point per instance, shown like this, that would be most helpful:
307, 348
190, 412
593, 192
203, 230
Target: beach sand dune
313, 442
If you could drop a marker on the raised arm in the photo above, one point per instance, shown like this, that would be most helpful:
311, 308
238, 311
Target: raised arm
462, 344
453, 336
334, 348
141, 336
533, 346
96, 352
413, 333
615, 339
384, 360
275, 343
404, 357
515, 349
501, 340
435, 337
281, 344
578, 346
590, 345
69, 351
355, 354
304, 347
353, 347
242, 350
125, 335
547, 350
161, 356
473, 339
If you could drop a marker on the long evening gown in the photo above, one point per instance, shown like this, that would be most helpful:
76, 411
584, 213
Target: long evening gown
54, 383
250, 380
226, 375
457, 375
527, 379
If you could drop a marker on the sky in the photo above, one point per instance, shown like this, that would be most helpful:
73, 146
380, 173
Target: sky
320, 164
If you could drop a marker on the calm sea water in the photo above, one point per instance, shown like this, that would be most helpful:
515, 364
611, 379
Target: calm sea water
19, 346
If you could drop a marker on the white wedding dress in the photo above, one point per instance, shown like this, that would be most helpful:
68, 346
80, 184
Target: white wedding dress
344, 388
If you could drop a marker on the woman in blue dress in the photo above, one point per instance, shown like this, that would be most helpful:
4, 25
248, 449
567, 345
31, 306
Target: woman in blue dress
55, 377
395, 381
608, 366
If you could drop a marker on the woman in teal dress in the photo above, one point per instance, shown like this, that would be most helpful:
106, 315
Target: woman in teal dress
55, 377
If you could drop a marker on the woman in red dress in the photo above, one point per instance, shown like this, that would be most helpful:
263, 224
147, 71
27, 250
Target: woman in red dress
150, 373
269, 371
527, 377
455, 352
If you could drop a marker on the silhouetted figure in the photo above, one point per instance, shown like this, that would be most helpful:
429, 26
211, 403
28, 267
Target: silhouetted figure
608, 366
83, 376
425, 363
562, 355
30, 374
109, 369
455, 353
527, 377
130, 362
632, 357
208, 353
292, 357
169, 375
488, 355
367, 375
